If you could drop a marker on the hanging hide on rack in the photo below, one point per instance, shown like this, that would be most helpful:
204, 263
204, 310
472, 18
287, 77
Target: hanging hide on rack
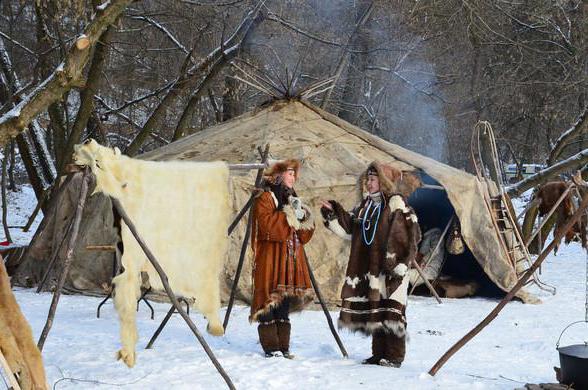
181, 210
548, 195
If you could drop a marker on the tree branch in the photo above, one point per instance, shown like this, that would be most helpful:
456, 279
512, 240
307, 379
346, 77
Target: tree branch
574, 162
67, 75
577, 129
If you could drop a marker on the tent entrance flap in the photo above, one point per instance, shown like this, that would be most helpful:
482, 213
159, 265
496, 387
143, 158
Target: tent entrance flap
460, 273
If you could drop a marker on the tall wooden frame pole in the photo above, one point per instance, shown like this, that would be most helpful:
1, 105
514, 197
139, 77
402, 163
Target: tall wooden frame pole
68, 257
264, 156
522, 281
317, 290
118, 206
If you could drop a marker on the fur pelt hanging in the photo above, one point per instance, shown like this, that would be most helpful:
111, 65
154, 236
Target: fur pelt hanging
16, 339
181, 210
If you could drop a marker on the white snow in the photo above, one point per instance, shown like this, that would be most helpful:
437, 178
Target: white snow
517, 347
20, 207
103, 6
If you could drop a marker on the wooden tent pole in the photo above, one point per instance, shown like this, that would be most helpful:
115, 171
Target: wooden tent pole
324, 306
68, 257
427, 283
430, 258
164, 280
54, 255
522, 281
264, 156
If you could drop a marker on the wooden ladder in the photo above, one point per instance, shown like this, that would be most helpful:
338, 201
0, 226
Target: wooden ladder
499, 205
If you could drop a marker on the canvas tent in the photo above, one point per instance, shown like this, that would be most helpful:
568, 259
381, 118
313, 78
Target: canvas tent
334, 154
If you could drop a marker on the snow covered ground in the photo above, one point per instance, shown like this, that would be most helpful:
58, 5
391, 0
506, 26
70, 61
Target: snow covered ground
516, 348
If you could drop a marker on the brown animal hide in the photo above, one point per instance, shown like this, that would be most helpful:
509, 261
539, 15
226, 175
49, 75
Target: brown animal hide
16, 339
548, 195
452, 288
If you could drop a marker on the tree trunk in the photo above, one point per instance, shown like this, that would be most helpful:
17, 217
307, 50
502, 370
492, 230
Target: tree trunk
353, 89
35, 177
90, 89
3, 185
11, 182
343, 60
232, 105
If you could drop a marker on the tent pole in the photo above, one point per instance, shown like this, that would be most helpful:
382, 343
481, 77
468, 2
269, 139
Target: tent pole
264, 155
54, 256
324, 306
68, 257
441, 239
164, 280
422, 275
522, 281
171, 311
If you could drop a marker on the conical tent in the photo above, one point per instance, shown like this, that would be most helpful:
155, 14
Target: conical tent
334, 153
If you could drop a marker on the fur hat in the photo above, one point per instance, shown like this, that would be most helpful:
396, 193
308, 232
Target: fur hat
280, 167
392, 180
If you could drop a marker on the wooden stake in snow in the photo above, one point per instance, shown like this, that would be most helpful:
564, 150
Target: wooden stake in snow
68, 256
522, 281
264, 155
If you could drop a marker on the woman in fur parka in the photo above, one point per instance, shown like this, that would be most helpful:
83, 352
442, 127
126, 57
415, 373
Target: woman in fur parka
384, 235
282, 226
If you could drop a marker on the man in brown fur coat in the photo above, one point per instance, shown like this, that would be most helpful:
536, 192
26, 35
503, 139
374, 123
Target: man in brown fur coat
384, 235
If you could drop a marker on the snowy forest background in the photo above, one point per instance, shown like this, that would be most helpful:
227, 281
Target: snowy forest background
417, 73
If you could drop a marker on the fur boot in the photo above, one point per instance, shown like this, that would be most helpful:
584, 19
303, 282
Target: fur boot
284, 338
378, 348
268, 337
394, 350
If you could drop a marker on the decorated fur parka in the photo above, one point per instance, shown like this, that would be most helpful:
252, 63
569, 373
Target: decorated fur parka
384, 236
280, 268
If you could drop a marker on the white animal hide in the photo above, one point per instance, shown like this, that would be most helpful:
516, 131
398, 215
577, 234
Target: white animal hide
181, 210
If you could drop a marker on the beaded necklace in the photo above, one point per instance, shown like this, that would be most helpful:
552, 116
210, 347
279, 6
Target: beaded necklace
366, 223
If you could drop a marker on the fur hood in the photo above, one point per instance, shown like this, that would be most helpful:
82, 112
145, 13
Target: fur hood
392, 180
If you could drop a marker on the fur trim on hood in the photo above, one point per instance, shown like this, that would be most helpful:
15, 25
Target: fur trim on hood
392, 180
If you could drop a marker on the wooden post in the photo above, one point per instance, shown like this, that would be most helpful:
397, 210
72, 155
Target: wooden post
118, 206
237, 219
439, 243
324, 306
264, 156
54, 256
522, 281
68, 257
427, 283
